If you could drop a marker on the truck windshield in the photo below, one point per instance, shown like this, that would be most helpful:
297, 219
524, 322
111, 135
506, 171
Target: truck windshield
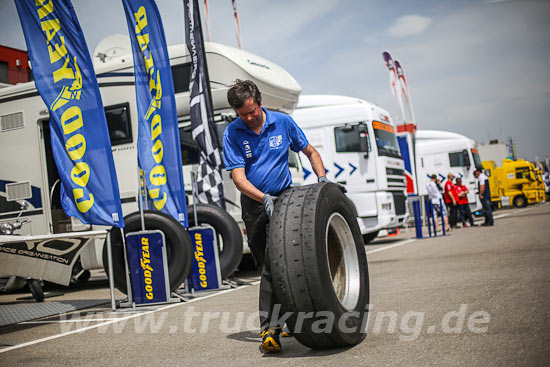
385, 139
477, 160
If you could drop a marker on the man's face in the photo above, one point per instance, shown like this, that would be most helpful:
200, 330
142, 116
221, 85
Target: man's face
251, 113
459, 182
476, 174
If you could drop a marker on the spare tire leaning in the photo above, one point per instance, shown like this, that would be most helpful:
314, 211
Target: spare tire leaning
319, 266
230, 239
179, 250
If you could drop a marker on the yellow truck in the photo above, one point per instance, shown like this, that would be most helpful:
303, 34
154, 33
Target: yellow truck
516, 183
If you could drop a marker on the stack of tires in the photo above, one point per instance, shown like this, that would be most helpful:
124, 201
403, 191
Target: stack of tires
179, 249
319, 266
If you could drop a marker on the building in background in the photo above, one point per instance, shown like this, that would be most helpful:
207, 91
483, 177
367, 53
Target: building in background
497, 150
14, 66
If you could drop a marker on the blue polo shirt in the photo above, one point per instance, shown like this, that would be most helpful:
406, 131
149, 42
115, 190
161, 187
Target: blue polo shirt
264, 156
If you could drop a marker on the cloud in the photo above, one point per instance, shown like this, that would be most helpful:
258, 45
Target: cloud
409, 25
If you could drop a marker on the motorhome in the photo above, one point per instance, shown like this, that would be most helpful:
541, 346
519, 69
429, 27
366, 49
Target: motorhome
444, 152
27, 166
356, 140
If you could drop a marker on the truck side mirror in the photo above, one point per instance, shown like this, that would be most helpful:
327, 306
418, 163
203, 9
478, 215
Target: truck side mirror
364, 139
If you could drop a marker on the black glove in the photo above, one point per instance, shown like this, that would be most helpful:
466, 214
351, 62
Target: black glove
322, 179
268, 204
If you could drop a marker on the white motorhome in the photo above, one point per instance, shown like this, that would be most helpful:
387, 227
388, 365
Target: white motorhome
26, 159
356, 140
444, 152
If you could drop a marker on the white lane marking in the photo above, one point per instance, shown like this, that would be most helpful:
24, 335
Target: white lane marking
56, 336
514, 213
65, 321
404, 242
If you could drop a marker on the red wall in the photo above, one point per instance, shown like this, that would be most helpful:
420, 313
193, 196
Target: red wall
16, 74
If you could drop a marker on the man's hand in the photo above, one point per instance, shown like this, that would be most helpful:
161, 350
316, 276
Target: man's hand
267, 200
322, 179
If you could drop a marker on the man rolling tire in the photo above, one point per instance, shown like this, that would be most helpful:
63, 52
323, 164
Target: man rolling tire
256, 152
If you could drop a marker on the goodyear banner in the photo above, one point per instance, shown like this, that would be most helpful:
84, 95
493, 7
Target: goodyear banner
66, 81
159, 151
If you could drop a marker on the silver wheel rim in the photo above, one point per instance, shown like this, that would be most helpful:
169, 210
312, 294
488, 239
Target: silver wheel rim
342, 260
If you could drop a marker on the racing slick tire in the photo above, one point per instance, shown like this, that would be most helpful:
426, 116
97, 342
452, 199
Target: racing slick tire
230, 248
319, 266
179, 250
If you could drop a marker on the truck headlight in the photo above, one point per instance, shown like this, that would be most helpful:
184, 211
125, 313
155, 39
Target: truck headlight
386, 206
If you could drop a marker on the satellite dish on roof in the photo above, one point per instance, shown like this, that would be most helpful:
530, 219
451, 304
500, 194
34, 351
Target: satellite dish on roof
112, 47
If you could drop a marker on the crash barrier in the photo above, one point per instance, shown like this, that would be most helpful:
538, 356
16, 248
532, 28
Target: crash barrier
431, 217
318, 262
417, 212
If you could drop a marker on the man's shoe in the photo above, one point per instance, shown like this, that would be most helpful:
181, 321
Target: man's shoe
270, 341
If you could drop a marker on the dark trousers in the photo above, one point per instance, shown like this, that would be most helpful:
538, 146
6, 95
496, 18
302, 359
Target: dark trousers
453, 213
256, 222
487, 210
466, 214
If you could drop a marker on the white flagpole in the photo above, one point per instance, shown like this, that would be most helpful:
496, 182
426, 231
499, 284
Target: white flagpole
208, 39
407, 90
394, 82
237, 26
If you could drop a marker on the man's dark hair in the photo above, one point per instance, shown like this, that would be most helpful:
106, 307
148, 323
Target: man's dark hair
241, 91
434, 177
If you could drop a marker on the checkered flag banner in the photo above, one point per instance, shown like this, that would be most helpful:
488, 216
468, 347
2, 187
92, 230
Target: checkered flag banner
209, 178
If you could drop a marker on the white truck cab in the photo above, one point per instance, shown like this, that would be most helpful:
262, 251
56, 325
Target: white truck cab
357, 142
444, 152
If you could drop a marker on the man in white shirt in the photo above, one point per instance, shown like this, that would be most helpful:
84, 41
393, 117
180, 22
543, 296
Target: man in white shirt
435, 197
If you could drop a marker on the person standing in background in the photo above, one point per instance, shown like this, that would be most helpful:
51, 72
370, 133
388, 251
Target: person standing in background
463, 205
484, 196
451, 200
436, 199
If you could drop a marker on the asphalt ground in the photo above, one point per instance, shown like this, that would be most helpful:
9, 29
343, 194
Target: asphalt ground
478, 296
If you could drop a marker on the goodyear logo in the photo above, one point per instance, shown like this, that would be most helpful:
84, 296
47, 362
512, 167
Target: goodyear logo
68, 77
157, 175
201, 262
145, 262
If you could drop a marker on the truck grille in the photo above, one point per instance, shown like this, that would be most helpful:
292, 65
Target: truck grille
395, 171
400, 202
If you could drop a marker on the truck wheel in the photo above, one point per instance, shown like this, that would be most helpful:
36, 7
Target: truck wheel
179, 249
369, 237
520, 201
319, 266
230, 247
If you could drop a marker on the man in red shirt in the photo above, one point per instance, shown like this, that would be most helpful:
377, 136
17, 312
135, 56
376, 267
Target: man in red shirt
451, 199
463, 205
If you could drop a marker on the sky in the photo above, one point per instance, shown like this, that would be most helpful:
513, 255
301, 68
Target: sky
476, 67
